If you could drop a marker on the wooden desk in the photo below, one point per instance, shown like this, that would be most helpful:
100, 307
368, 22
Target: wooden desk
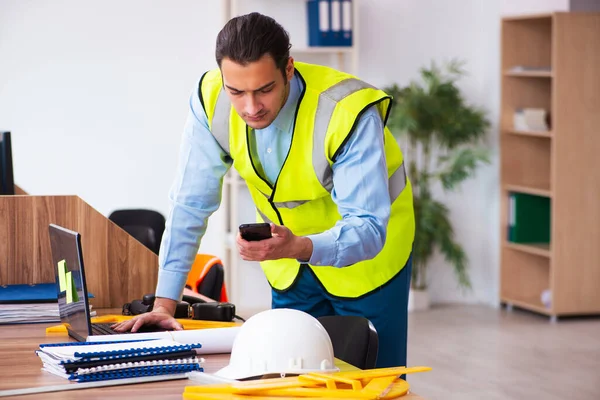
20, 367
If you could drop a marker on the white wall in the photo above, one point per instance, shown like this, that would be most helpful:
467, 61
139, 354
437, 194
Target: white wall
409, 35
515, 7
96, 94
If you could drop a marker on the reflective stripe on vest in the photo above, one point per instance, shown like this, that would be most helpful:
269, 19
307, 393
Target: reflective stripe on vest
263, 216
397, 183
325, 108
220, 125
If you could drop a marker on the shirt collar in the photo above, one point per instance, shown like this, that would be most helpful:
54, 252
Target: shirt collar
286, 115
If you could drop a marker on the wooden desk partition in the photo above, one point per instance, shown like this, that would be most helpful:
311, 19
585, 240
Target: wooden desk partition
20, 191
118, 267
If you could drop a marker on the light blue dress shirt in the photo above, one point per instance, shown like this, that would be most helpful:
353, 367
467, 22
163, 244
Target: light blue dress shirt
360, 191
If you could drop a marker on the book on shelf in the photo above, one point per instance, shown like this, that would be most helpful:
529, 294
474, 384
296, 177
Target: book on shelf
88, 361
528, 219
329, 23
531, 119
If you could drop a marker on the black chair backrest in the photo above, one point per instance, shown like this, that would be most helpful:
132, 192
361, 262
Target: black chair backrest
354, 339
212, 283
147, 226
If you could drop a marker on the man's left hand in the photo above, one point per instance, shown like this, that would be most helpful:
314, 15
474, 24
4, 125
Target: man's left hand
282, 244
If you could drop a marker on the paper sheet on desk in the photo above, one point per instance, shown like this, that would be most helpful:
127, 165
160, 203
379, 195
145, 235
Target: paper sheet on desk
213, 341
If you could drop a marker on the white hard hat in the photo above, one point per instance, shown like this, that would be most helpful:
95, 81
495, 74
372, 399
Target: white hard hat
280, 341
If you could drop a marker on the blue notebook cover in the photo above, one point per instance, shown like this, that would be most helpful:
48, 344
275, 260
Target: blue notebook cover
37, 293
137, 372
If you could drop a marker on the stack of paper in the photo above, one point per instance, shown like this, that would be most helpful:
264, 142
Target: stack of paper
30, 303
31, 313
84, 362
28, 313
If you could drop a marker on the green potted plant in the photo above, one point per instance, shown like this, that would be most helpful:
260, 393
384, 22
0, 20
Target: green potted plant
441, 137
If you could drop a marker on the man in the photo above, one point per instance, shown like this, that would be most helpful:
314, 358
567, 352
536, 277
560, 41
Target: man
321, 168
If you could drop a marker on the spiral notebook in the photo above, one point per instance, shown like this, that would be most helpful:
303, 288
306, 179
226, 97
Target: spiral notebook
85, 362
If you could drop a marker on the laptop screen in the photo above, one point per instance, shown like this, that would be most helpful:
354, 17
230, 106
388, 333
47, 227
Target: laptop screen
67, 261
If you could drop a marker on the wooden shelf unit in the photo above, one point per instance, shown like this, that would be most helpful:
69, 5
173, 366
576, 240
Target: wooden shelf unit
562, 164
540, 134
529, 74
526, 189
526, 162
539, 249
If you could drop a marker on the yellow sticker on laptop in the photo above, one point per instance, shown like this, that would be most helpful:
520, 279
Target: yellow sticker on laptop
62, 272
72, 296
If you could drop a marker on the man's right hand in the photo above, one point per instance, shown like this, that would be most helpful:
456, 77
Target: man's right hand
161, 315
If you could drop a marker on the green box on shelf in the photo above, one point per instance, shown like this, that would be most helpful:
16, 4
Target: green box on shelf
529, 218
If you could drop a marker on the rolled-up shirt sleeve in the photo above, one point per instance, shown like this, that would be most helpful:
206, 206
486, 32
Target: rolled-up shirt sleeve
360, 191
194, 196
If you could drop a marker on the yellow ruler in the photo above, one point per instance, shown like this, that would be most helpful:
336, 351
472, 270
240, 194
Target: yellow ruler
382, 383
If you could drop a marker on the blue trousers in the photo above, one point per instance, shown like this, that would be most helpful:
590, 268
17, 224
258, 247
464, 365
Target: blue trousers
385, 307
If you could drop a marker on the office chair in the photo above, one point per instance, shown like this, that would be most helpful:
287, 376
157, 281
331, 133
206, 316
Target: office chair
354, 339
147, 226
207, 277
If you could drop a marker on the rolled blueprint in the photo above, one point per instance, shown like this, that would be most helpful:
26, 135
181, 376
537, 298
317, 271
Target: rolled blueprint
213, 340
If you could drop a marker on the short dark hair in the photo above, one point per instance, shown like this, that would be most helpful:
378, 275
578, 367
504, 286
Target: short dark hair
247, 38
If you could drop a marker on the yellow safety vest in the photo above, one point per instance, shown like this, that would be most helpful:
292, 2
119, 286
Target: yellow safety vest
329, 107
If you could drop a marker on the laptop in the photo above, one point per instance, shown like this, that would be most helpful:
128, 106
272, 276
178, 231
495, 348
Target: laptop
74, 308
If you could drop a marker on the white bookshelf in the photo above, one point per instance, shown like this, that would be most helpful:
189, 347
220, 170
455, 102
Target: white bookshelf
247, 286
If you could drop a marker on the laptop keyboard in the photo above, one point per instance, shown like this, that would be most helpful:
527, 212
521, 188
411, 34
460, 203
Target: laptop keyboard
104, 329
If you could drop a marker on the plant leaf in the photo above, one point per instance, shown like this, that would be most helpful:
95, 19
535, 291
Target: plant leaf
460, 165
433, 230
435, 109
435, 118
